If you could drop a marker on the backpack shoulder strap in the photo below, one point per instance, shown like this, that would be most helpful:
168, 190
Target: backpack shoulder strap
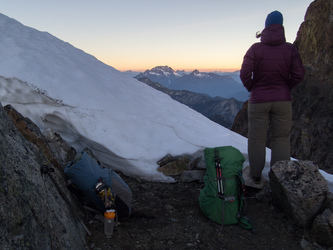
243, 221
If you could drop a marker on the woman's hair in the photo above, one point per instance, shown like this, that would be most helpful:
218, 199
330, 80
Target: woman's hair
258, 34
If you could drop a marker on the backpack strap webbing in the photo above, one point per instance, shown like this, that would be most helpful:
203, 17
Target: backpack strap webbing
243, 221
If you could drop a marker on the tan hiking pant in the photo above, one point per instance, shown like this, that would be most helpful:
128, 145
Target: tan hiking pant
277, 115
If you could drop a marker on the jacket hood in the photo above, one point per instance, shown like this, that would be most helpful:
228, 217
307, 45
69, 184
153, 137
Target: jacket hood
273, 35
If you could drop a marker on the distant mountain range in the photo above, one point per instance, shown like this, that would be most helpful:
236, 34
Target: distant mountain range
220, 110
212, 84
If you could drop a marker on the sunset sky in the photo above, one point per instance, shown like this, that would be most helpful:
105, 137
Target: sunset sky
137, 35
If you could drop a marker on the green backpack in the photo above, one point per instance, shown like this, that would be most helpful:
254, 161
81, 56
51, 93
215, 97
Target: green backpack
222, 198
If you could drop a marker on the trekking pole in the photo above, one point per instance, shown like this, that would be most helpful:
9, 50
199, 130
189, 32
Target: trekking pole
218, 173
46, 170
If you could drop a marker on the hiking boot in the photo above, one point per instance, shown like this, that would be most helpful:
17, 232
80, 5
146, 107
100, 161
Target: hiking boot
255, 182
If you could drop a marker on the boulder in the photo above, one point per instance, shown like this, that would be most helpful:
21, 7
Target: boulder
165, 160
322, 228
299, 190
192, 175
176, 167
184, 168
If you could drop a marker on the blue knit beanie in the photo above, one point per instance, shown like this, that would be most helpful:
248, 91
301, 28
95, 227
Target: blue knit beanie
274, 17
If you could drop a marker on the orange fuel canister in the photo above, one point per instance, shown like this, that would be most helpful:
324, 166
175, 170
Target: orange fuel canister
109, 216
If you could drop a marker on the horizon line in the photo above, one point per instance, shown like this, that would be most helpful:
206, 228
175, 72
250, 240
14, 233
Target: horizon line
187, 70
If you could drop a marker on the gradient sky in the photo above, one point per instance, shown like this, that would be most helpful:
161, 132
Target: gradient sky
141, 34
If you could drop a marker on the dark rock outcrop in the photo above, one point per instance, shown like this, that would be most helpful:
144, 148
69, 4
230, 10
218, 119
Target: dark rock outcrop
33, 213
240, 123
312, 133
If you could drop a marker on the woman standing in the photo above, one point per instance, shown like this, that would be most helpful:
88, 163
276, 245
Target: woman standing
270, 69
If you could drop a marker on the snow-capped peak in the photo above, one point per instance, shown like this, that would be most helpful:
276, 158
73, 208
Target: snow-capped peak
162, 74
161, 70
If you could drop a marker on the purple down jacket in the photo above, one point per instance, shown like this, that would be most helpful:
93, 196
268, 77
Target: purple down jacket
272, 67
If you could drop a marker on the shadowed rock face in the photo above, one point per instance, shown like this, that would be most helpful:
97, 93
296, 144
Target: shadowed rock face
240, 123
33, 213
311, 135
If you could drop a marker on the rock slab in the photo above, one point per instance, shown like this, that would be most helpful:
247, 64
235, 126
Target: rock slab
33, 213
299, 190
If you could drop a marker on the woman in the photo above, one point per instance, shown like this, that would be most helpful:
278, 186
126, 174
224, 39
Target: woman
270, 69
